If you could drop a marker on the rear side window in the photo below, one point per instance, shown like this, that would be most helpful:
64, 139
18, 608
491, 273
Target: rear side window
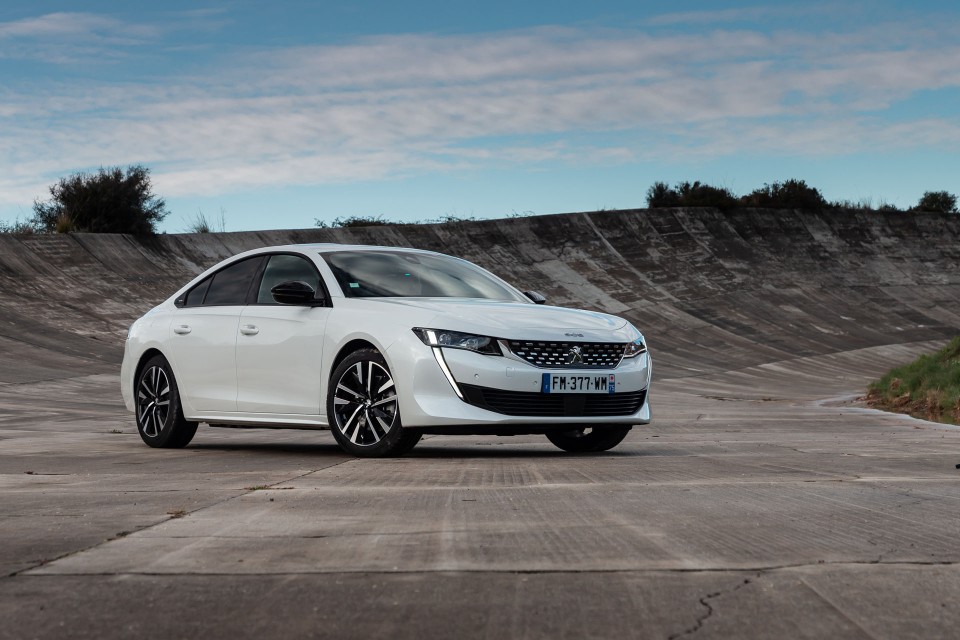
231, 285
286, 268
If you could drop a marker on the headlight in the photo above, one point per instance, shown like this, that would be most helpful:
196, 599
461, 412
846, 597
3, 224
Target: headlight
635, 348
457, 340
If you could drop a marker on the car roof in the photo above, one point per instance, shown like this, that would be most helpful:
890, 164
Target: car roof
327, 247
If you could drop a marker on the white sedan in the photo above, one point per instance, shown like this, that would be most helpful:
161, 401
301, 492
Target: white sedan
380, 345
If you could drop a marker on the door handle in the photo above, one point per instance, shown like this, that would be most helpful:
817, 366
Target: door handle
182, 330
249, 330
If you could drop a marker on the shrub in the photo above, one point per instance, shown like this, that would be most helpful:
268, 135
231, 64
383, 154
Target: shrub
704, 195
450, 219
790, 194
16, 227
661, 195
865, 204
447, 219
689, 194
353, 221
938, 202
110, 201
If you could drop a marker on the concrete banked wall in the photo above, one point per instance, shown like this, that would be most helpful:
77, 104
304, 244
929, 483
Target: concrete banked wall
712, 291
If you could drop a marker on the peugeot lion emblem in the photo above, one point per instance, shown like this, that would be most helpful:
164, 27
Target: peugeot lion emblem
574, 356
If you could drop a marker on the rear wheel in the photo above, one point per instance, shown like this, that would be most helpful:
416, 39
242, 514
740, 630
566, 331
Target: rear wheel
363, 409
160, 420
587, 439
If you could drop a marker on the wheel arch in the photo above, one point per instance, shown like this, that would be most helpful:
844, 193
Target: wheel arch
144, 358
354, 345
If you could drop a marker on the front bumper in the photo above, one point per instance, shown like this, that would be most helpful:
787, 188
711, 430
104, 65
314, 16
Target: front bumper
427, 398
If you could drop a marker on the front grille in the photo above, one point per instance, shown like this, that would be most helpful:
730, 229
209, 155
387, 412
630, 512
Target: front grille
522, 403
560, 355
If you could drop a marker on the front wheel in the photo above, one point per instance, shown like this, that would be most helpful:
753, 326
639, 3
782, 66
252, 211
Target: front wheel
588, 440
160, 420
363, 410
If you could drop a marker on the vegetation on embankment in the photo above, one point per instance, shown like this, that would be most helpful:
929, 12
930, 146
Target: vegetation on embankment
927, 388
789, 194
121, 200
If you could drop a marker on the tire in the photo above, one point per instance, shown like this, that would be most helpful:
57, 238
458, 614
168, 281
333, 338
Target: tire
589, 440
160, 420
363, 410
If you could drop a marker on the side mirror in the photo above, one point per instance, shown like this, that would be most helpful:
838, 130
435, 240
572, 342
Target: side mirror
538, 298
294, 292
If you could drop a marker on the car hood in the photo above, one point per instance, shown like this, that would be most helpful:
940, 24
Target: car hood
512, 319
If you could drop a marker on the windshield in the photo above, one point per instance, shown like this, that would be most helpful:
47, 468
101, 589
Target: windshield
375, 274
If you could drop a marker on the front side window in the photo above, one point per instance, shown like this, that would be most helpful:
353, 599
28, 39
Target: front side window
371, 274
286, 268
230, 286
195, 297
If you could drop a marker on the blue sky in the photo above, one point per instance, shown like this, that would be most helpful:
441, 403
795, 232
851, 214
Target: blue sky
279, 113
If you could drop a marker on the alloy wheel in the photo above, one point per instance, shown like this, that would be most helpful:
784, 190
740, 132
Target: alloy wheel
153, 401
365, 403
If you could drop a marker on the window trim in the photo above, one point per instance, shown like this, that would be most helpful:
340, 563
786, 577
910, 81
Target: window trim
253, 291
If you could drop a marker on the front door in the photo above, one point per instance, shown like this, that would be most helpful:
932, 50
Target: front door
279, 347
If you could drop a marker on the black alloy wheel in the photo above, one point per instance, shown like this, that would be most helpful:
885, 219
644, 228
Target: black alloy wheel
363, 408
160, 420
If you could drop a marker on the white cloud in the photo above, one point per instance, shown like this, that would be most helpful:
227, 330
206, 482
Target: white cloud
401, 105
58, 25
721, 15
73, 38
768, 13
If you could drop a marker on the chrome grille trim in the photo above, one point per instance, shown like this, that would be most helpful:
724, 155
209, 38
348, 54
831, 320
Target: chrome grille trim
555, 355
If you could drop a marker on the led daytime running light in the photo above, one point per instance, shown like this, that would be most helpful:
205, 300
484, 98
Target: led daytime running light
459, 340
635, 348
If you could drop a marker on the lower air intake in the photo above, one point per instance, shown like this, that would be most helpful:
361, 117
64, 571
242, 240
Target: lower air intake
562, 405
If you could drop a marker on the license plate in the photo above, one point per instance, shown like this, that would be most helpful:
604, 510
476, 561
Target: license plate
578, 383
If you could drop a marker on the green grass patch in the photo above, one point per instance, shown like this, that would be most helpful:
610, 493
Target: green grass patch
928, 387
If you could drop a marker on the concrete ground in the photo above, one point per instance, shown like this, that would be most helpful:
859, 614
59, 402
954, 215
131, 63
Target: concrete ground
761, 503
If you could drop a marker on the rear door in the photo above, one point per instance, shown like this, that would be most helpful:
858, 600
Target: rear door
279, 346
204, 334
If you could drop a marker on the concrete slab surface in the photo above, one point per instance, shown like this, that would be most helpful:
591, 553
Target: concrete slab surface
762, 502
731, 517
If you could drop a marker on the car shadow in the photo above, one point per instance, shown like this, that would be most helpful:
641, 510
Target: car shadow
292, 448
422, 451
505, 451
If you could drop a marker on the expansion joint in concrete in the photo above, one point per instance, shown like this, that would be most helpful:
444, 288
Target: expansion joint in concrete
741, 571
